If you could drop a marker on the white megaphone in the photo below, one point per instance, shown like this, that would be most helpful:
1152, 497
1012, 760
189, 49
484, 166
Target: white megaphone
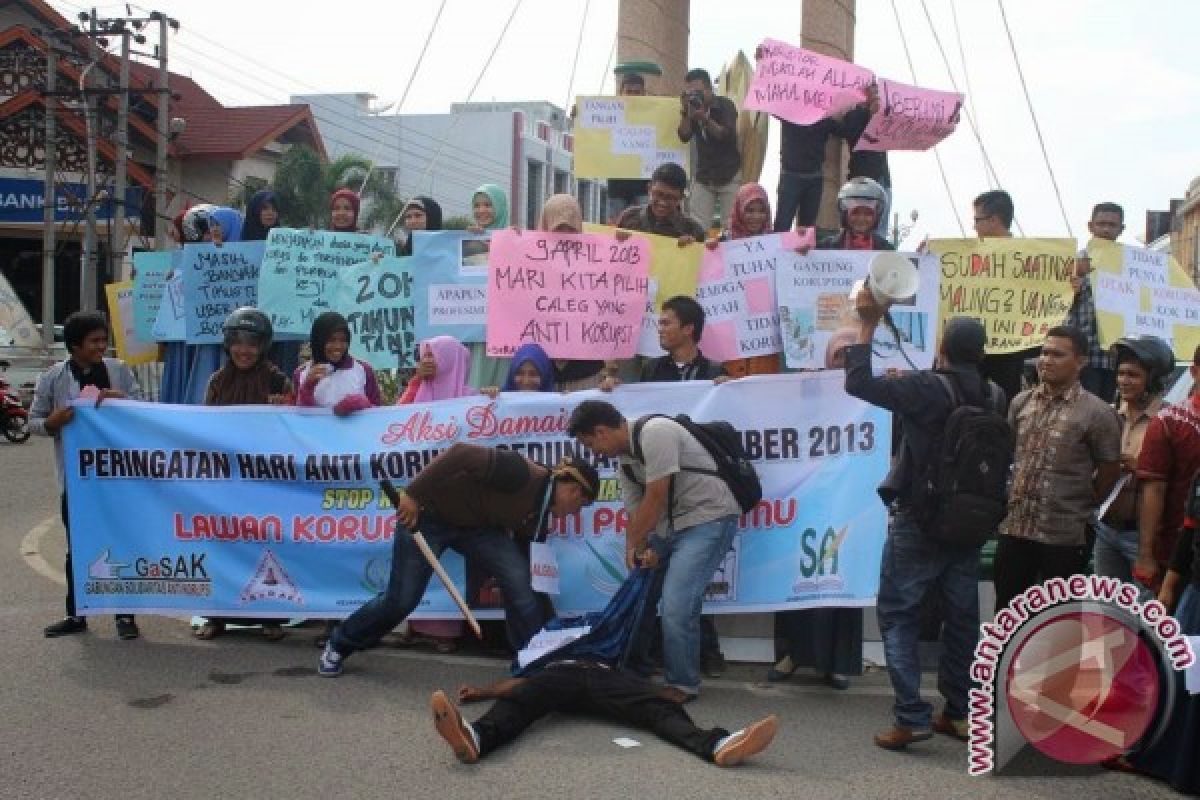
891, 278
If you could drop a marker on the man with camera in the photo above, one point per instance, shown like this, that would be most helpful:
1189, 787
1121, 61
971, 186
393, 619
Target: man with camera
718, 169
918, 554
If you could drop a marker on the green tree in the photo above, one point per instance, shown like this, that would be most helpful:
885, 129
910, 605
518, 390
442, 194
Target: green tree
304, 185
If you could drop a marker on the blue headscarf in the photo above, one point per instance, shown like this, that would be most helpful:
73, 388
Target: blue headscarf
254, 230
534, 354
230, 221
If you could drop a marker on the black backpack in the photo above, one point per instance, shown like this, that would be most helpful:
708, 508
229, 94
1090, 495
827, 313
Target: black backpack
962, 495
724, 444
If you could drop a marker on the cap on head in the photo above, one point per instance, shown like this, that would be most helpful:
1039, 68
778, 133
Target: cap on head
575, 469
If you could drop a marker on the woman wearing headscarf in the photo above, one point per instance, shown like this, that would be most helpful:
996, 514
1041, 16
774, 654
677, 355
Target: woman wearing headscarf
262, 214
751, 216
248, 378
420, 214
187, 367
441, 375
489, 212
344, 205
333, 378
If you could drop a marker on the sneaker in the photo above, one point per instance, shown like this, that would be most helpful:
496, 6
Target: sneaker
837, 681
958, 728
898, 737
712, 664
330, 665
65, 627
127, 628
451, 727
737, 747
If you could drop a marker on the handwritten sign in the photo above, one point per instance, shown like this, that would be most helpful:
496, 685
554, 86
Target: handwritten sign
377, 301
216, 282
816, 311
450, 289
299, 273
737, 292
131, 349
169, 325
803, 87
1018, 288
18, 328
1140, 291
577, 295
150, 270
910, 118
626, 137
648, 344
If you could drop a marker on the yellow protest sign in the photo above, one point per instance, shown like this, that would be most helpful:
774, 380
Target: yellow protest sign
1018, 288
674, 269
130, 349
626, 137
1140, 291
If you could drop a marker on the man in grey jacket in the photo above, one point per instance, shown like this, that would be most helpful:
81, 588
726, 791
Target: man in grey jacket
85, 373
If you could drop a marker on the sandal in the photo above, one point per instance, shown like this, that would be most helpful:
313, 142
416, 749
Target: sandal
209, 630
272, 633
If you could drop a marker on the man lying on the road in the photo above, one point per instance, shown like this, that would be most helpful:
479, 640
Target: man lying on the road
588, 686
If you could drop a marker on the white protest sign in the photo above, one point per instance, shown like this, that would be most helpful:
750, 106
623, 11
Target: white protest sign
543, 568
549, 641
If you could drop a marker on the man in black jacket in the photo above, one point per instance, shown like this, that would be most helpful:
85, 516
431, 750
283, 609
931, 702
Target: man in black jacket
913, 562
680, 326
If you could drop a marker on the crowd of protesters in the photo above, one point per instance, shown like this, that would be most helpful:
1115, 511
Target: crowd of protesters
1102, 467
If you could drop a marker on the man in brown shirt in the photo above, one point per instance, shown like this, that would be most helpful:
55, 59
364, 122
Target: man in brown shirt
1067, 461
471, 499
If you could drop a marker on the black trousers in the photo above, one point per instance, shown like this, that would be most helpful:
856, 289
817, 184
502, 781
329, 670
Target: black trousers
587, 688
1022, 563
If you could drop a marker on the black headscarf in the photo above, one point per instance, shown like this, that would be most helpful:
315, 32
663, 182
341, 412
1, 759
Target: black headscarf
323, 328
253, 230
433, 219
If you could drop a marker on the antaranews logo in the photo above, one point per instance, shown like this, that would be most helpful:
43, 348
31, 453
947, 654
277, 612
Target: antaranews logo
1076, 668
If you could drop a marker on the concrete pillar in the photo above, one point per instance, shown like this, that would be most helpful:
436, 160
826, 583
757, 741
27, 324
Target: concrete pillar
827, 26
656, 30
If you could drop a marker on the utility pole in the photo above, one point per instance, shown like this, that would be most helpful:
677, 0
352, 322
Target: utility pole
120, 213
164, 132
87, 265
49, 196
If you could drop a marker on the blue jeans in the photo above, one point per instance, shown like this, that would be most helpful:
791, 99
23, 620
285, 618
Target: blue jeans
688, 559
798, 200
410, 574
911, 564
1115, 553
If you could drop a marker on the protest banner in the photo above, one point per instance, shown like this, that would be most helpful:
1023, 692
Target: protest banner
217, 280
1018, 288
626, 137
299, 274
131, 349
450, 284
802, 86
816, 311
737, 291
377, 301
169, 322
150, 270
676, 269
910, 118
577, 295
266, 512
1140, 291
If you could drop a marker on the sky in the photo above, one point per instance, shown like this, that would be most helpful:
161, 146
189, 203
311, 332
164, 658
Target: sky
1113, 83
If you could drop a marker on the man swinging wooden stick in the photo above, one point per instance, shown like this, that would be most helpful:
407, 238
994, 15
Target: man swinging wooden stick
469, 499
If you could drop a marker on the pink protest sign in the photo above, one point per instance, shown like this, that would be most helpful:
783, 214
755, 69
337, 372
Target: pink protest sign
801, 86
577, 295
910, 118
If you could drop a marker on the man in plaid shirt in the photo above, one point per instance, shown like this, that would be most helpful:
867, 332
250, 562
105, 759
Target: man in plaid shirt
1099, 376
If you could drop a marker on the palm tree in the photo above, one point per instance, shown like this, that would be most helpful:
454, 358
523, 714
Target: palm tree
304, 184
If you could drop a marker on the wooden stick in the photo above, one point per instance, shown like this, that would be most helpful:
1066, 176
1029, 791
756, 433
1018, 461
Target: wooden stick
423, 546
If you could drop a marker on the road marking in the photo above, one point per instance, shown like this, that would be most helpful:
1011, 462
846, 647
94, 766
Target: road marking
31, 551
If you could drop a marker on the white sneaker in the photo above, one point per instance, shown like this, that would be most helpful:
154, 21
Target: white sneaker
330, 665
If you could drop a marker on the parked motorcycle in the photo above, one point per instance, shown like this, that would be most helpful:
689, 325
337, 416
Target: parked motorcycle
14, 418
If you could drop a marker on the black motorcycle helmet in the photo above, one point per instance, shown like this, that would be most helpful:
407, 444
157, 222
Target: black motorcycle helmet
1152, 353
248, 324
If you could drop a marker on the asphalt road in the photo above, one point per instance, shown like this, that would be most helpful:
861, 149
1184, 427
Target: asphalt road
167, 715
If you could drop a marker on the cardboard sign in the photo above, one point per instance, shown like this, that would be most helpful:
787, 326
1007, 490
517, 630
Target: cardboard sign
910, 118
803, 87
626, 137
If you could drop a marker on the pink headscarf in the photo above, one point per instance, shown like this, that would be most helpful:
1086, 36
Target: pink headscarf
561, 210
748, 193
453, 365
355, 203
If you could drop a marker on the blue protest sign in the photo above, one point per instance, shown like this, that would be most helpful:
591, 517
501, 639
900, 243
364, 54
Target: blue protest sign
450, 279
377, 301
216, 281
150, 270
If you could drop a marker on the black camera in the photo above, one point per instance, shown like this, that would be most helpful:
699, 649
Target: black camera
695, 98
